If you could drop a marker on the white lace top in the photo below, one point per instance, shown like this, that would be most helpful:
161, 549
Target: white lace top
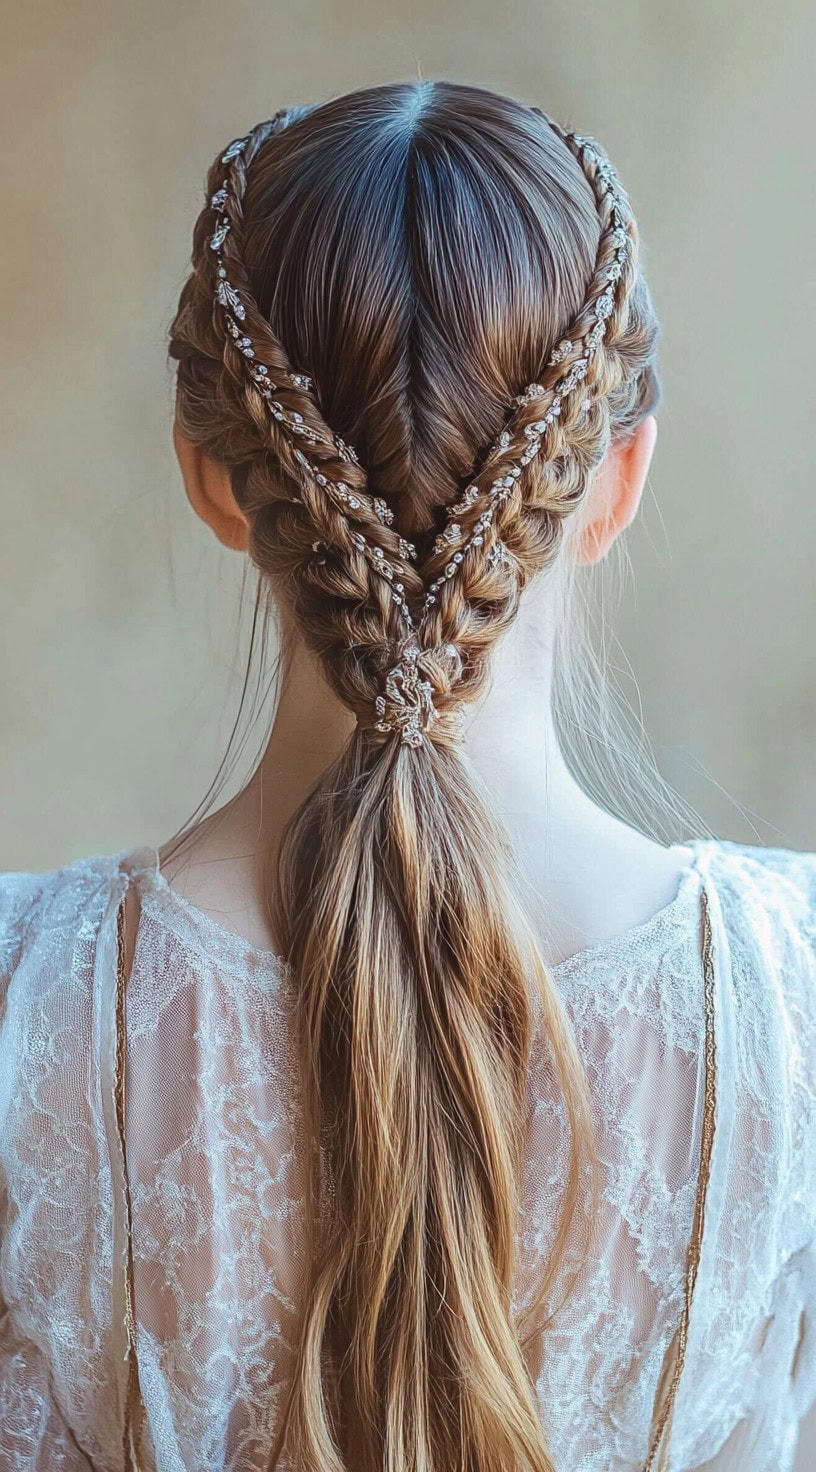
210, 1181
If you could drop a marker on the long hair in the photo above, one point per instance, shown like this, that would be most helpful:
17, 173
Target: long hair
414, 325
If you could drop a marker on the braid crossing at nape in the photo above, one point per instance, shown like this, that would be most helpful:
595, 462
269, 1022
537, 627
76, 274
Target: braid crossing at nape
469, 553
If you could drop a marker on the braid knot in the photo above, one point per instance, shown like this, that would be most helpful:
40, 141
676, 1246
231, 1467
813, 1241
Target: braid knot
411, 703
406, 704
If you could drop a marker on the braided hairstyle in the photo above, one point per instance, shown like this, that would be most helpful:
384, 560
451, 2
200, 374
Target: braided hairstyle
429, 270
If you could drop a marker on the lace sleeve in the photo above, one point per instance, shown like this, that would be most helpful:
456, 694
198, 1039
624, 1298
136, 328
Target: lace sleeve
761, 1303
57, 1357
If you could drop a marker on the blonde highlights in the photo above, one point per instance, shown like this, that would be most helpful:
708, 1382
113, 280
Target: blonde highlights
405, 264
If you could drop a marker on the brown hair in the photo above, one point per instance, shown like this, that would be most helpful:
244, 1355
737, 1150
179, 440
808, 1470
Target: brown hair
407, 259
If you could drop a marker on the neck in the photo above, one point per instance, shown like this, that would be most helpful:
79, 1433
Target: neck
577, 859
509, 738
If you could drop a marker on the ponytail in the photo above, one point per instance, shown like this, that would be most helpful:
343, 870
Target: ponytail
416, 977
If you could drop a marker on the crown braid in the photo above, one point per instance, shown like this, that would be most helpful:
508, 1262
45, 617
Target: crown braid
507, 524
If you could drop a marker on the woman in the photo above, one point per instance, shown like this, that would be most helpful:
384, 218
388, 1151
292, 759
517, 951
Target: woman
457, 1150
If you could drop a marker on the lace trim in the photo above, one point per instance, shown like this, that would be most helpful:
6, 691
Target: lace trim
662, 1429
133, 1396
659, 1446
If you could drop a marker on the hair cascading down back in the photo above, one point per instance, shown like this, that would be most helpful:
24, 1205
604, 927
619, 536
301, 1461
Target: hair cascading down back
413, 271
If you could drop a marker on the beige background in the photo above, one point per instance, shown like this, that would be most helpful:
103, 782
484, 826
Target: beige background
120, 630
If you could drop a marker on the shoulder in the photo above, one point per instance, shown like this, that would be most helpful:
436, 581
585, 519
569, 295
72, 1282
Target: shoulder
767, 897
42, 913
50, 926
773, 887
767, 901
789, 870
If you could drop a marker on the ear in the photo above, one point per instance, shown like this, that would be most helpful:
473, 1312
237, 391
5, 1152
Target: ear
615, 492
210, 493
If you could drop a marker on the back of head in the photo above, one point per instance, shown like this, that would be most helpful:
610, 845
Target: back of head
446, 281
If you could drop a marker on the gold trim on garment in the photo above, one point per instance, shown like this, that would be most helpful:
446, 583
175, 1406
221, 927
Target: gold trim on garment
659, 1446
133, 1395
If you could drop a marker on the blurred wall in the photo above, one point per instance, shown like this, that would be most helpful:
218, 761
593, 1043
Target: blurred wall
121, 623
120, 628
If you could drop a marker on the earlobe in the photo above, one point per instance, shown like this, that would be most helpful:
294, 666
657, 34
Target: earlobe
616, 492
210, 493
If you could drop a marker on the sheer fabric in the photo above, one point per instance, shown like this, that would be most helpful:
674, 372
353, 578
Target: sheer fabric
214, 1162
